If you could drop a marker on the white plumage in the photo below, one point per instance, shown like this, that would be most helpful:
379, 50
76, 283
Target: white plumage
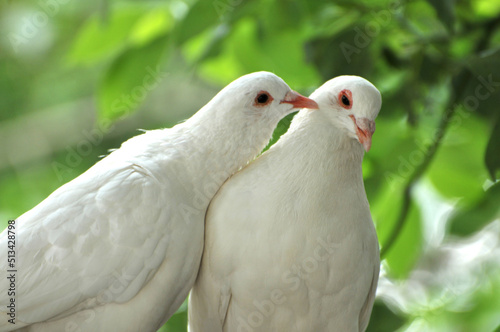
119, 247
290, 244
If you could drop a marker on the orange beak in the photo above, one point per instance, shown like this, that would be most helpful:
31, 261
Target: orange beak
299, 101
364, 130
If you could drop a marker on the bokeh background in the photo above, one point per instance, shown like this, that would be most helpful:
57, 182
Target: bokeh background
77, 78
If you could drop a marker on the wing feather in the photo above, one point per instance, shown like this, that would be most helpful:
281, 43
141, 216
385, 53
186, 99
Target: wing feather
97, 239
366, 310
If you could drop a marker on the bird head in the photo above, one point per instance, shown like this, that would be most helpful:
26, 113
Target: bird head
352, 104
261, 96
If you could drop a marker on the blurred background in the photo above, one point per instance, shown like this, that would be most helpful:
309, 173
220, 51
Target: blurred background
78, 78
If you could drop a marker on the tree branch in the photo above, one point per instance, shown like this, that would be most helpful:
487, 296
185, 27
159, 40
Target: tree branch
459, 88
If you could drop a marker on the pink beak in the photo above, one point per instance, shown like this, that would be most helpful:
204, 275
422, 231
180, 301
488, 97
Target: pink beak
299, 101
364, 130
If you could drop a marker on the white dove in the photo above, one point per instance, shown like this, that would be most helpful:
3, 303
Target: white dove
119, 247
289, 242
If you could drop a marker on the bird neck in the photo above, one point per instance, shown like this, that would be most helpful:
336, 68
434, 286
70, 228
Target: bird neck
328, 153
216, 149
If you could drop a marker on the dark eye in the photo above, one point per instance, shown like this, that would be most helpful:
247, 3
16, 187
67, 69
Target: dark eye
263, 98
345, 99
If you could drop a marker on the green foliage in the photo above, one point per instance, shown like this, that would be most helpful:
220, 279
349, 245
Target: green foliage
129, 25
436, 63
451, 173
475, 310
201, 16
126, 83
281, 128
133, 34
445, 11
409, 240
98, 39
178, 321
384, 319
492, 157
471, 219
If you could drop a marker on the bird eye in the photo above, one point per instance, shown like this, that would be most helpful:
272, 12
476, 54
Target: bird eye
345, 99
263, 98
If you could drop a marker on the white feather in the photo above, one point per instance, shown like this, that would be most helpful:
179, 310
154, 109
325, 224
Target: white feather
290, 244
119, 247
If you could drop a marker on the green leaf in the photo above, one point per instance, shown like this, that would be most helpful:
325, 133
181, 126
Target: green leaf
130, 78
205, 45
406, 250
150, 26
245, 50
220, 12
281, 53
221, 69
98, 40
482, 95
432, 69
485, 8
457, 170
176, 323
492, 156
286, 51
347, 53
469, 220
408, 247
486, 63
281, 128
393, 157
445, 10
384, 319
201, 15
290, 14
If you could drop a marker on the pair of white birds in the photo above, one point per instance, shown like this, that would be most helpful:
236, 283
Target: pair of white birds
288, 243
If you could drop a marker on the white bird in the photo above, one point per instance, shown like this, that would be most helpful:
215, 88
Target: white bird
119, 247
289, 240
